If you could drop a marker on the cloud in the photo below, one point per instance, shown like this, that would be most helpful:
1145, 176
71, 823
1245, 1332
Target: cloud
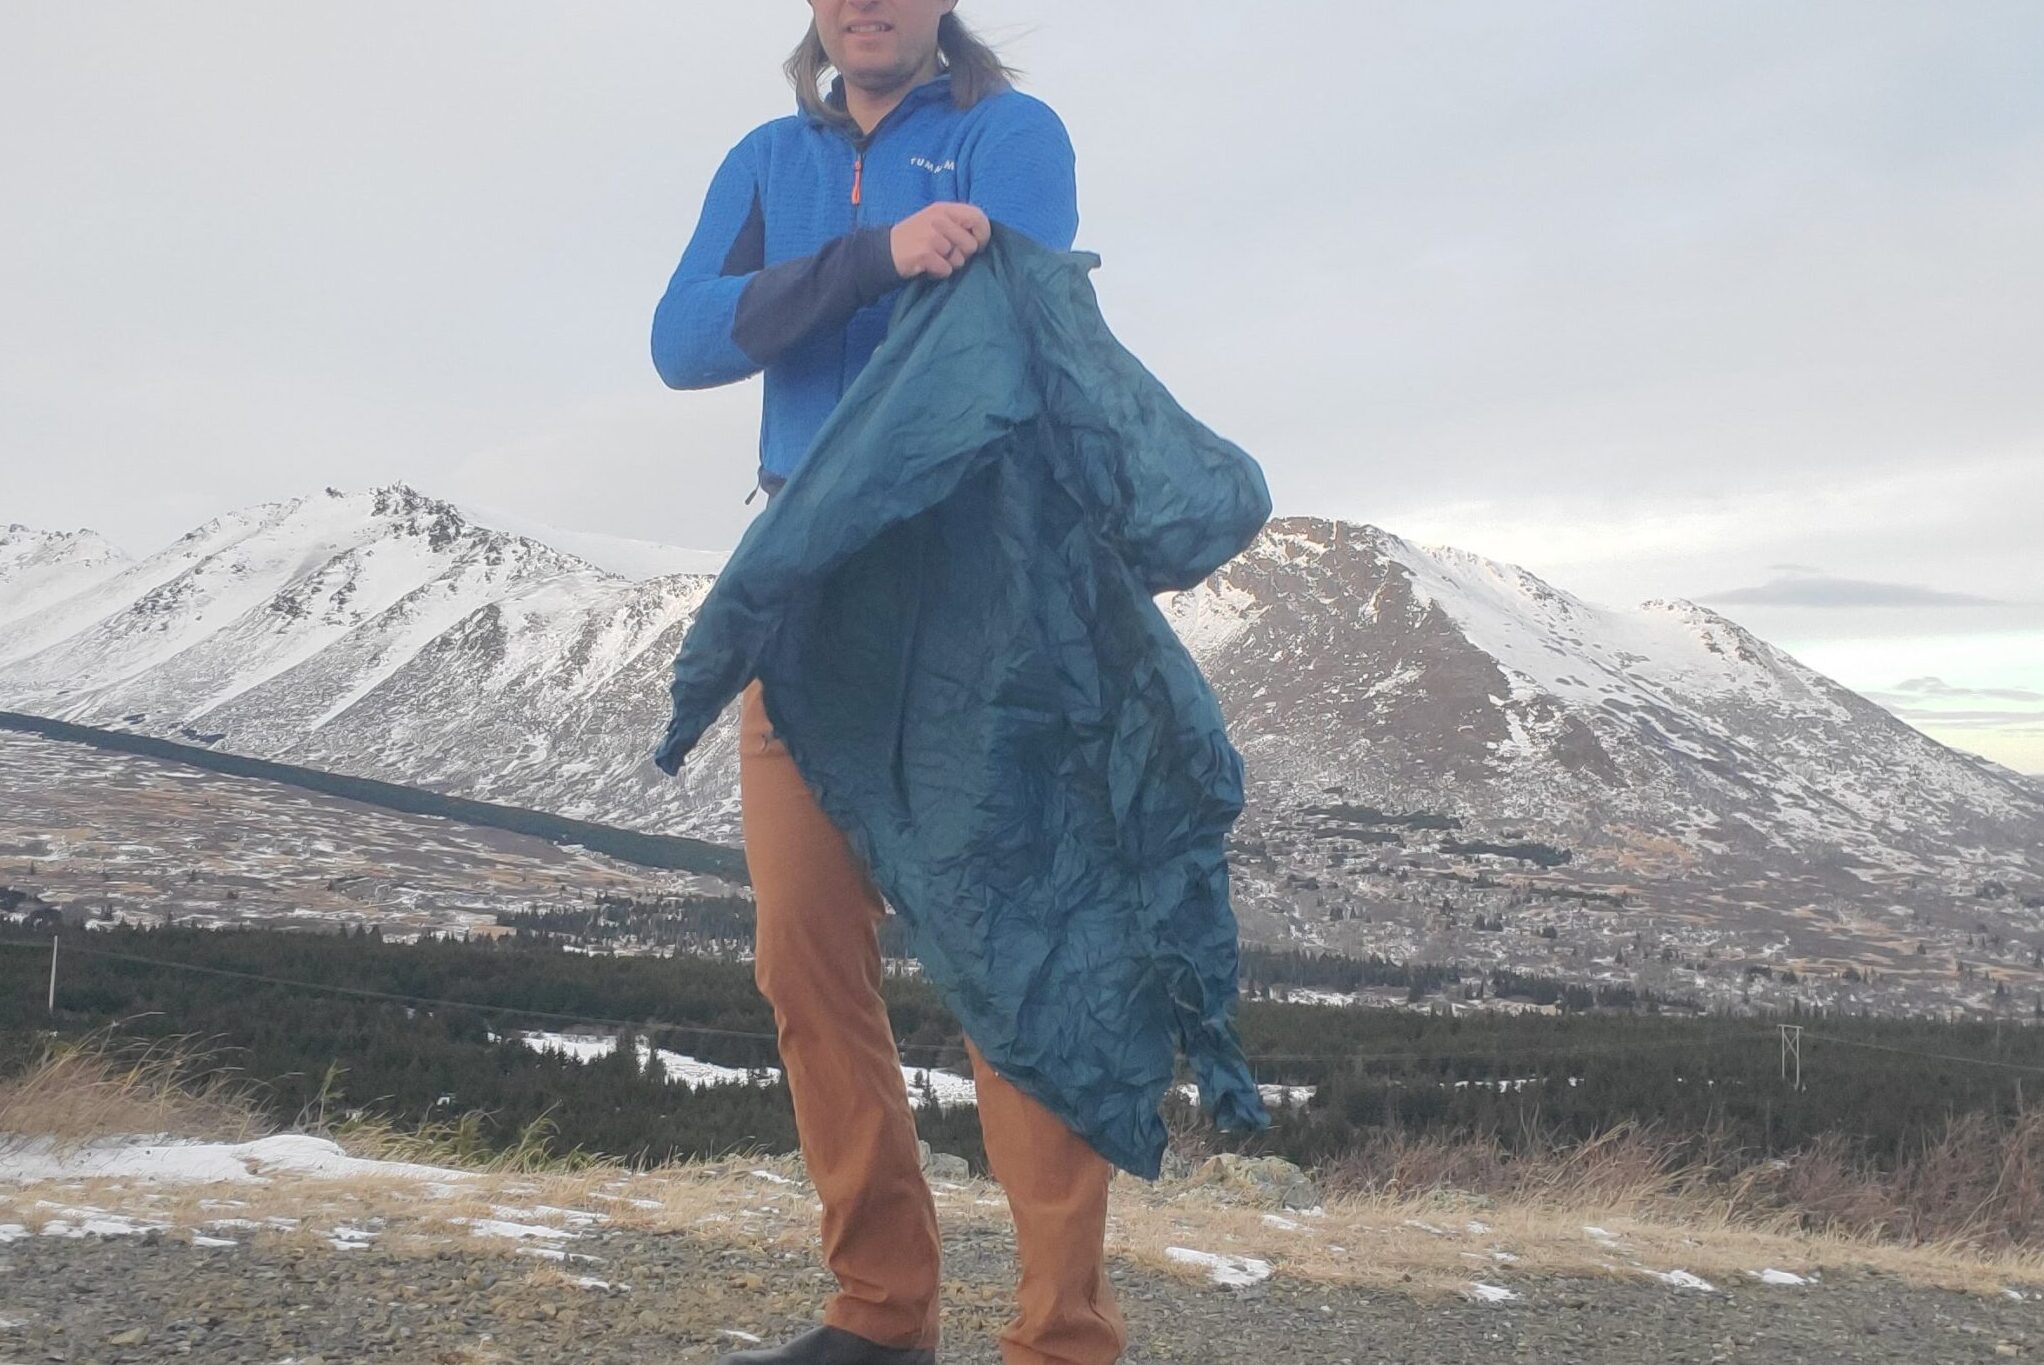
1642, 297
1938, 687
1810, 589
2004, 722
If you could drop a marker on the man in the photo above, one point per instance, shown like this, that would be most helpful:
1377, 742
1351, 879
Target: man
811, 223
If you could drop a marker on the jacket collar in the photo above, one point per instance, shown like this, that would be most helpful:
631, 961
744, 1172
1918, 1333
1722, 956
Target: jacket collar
937, 87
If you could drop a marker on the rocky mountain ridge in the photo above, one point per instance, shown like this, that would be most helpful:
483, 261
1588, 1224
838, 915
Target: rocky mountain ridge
1449, 757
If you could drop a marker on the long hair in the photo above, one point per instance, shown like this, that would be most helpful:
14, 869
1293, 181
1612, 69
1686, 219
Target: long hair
976, 70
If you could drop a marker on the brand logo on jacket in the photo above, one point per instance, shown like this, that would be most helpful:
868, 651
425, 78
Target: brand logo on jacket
933, 167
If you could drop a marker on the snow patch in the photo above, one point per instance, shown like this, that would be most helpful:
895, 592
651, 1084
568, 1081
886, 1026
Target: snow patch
499, 1227
96, 1223
198, 1163
1682, 1279
950, 1088
1233, 1271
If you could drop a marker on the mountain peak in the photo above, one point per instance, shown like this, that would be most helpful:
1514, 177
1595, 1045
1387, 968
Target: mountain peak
403, 500
1330, 533
18, 533
39, 568
32, 544
1719, 633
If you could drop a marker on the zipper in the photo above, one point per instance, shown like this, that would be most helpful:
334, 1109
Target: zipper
860, 144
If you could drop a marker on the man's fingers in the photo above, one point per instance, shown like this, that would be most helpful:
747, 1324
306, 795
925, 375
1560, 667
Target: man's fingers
957, 235
975, 238
952, 233
973, 220
968, 216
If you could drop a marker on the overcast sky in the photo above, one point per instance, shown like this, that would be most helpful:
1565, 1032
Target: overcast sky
1740, 302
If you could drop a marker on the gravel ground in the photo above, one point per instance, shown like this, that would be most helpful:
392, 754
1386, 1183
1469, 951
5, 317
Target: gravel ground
670, 1298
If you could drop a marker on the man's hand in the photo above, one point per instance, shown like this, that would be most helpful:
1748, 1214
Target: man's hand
939, 240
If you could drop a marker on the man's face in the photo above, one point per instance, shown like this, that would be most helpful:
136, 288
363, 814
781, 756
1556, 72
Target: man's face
879, 43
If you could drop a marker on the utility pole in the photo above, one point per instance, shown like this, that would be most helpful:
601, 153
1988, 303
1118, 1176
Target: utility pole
1792, 1053
55, 939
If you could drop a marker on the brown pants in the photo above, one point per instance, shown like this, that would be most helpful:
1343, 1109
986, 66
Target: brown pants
818, 964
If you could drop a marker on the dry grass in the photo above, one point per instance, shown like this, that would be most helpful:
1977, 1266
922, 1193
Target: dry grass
77, 1089
408, 1216
1438, 1242
1977, 1184
460, 1142
1402, 1214
1417, 1242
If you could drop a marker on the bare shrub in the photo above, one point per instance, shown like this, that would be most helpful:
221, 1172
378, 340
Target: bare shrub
1978, 1184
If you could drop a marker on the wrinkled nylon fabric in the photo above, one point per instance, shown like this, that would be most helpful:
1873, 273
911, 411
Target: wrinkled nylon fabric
950, 609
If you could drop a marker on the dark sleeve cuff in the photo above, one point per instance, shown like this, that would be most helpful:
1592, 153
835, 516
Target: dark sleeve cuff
784, 303
873, 263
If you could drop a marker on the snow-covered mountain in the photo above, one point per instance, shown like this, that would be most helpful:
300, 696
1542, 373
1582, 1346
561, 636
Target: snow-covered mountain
1403, 709
38, 568
1436, 741
633, 559
384, 634
1427, 678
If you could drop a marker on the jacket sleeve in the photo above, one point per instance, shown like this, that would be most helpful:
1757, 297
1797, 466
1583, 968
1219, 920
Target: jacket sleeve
1024, 174
727, 315
692, 343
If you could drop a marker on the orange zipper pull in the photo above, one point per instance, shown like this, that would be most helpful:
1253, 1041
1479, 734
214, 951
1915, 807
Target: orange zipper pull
858, 171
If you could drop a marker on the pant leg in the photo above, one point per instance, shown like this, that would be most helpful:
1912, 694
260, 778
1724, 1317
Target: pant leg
1057, 1191
817, 961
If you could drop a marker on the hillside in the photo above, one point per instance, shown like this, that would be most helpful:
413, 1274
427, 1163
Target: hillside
1450, 759
126, 839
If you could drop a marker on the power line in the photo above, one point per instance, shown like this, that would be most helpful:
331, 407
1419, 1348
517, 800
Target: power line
1929, 1056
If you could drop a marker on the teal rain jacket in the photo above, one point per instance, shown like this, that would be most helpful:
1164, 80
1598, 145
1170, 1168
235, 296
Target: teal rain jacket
950, 608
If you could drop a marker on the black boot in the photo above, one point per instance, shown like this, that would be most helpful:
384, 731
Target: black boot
831, 1346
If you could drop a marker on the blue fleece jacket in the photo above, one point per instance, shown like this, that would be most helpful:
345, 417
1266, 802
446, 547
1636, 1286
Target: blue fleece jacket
791, 269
